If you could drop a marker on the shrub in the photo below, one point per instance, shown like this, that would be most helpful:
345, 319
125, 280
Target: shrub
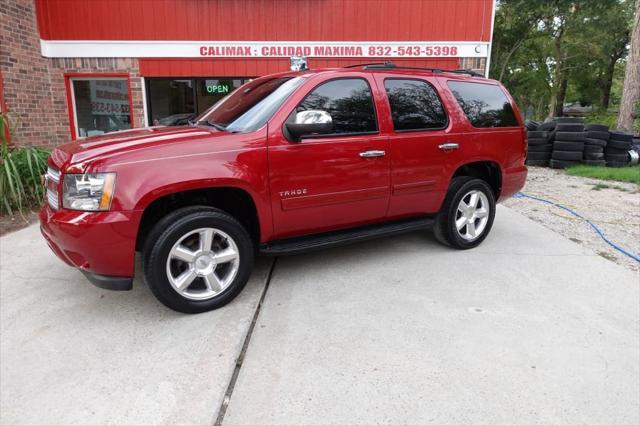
611, 119
20, 172
607, 118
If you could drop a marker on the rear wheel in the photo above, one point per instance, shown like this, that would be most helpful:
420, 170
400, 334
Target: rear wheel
197, 259
467, 213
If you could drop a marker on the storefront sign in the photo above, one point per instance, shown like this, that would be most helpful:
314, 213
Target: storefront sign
213, 87
262, 49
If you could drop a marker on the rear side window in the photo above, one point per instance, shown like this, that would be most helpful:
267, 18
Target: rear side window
485, 105
415, 105
349, 102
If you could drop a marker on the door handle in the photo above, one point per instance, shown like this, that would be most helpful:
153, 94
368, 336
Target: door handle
372, 153
449, 146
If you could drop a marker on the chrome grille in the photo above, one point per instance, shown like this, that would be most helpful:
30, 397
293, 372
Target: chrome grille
51, 182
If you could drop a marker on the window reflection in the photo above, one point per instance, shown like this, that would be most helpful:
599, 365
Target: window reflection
348, 101
484, 104
101, 105
415, 105
174, 102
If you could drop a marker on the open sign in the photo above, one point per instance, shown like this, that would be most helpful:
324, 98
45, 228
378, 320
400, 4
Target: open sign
215, 87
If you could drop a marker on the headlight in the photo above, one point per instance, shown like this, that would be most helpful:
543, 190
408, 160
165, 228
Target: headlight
89, 192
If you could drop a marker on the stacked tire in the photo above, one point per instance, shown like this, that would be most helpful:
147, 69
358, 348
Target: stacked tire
595, 143
616, 153
539, 147
569, 142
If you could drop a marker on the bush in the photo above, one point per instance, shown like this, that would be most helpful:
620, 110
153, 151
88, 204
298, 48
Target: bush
20, 172
610, 119
606, 118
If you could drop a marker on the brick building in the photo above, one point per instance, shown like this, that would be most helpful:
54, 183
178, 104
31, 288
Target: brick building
75, 68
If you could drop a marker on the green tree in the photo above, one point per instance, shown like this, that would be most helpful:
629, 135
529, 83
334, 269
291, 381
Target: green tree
547, 51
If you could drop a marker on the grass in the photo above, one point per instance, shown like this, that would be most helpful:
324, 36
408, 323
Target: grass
20, 171
599, 186
622, 174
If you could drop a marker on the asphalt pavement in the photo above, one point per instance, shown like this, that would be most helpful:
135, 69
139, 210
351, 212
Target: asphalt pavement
528, 328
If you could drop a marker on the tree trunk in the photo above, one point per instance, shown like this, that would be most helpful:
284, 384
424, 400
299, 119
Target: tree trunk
631, 88
562, 93
503, 68
605, 86
540, 107
556, 101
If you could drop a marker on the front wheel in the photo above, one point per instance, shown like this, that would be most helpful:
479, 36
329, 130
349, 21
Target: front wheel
467, 213
197, 259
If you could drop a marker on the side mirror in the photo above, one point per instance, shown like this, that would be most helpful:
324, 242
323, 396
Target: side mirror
310, 122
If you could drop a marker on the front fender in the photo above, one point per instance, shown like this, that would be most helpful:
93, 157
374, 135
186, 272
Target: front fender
138, 184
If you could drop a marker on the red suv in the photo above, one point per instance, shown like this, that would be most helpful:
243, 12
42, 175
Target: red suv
286, 163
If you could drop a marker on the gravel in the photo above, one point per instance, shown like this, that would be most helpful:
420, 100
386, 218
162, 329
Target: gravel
613, 206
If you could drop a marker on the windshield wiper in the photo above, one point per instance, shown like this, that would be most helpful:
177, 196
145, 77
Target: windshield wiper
214, 125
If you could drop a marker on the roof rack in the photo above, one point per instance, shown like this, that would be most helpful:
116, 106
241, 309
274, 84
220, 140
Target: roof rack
372, 64
391, 65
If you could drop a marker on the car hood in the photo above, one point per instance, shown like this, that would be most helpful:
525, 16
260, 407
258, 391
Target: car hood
95, 147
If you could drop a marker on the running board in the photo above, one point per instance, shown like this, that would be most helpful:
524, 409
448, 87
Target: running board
343, 237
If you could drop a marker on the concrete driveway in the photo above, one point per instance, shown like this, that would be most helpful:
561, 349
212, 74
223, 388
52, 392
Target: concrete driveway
529, 328
72, 353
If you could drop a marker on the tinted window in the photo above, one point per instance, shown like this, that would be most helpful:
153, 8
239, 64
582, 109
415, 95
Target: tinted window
485, 105
348, 101
252, 105
414, 105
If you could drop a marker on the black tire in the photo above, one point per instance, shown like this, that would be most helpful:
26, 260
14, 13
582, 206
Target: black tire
568, 146
617, 163
540, 148
596, 142
537, 163
567, 155
569, 120
538, 135
600, 163
538, 155
614, 151
176, 225
593, 148
620, 136
596, 134
593, 156
615, 144
568, 127
616, 158
596, 128
560, 164
571, 136
531, 125
547, 125
445, 229
537, 141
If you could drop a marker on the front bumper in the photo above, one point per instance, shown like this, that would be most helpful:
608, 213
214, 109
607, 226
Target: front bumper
109, 283
100, 244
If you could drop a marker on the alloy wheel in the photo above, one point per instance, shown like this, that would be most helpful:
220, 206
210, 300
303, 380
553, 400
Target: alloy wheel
203, 263
472, 215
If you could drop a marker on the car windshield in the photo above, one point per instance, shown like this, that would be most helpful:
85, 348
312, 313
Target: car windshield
250, 106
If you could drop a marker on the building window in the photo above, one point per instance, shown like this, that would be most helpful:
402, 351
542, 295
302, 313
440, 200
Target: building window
100, 105
175, 101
